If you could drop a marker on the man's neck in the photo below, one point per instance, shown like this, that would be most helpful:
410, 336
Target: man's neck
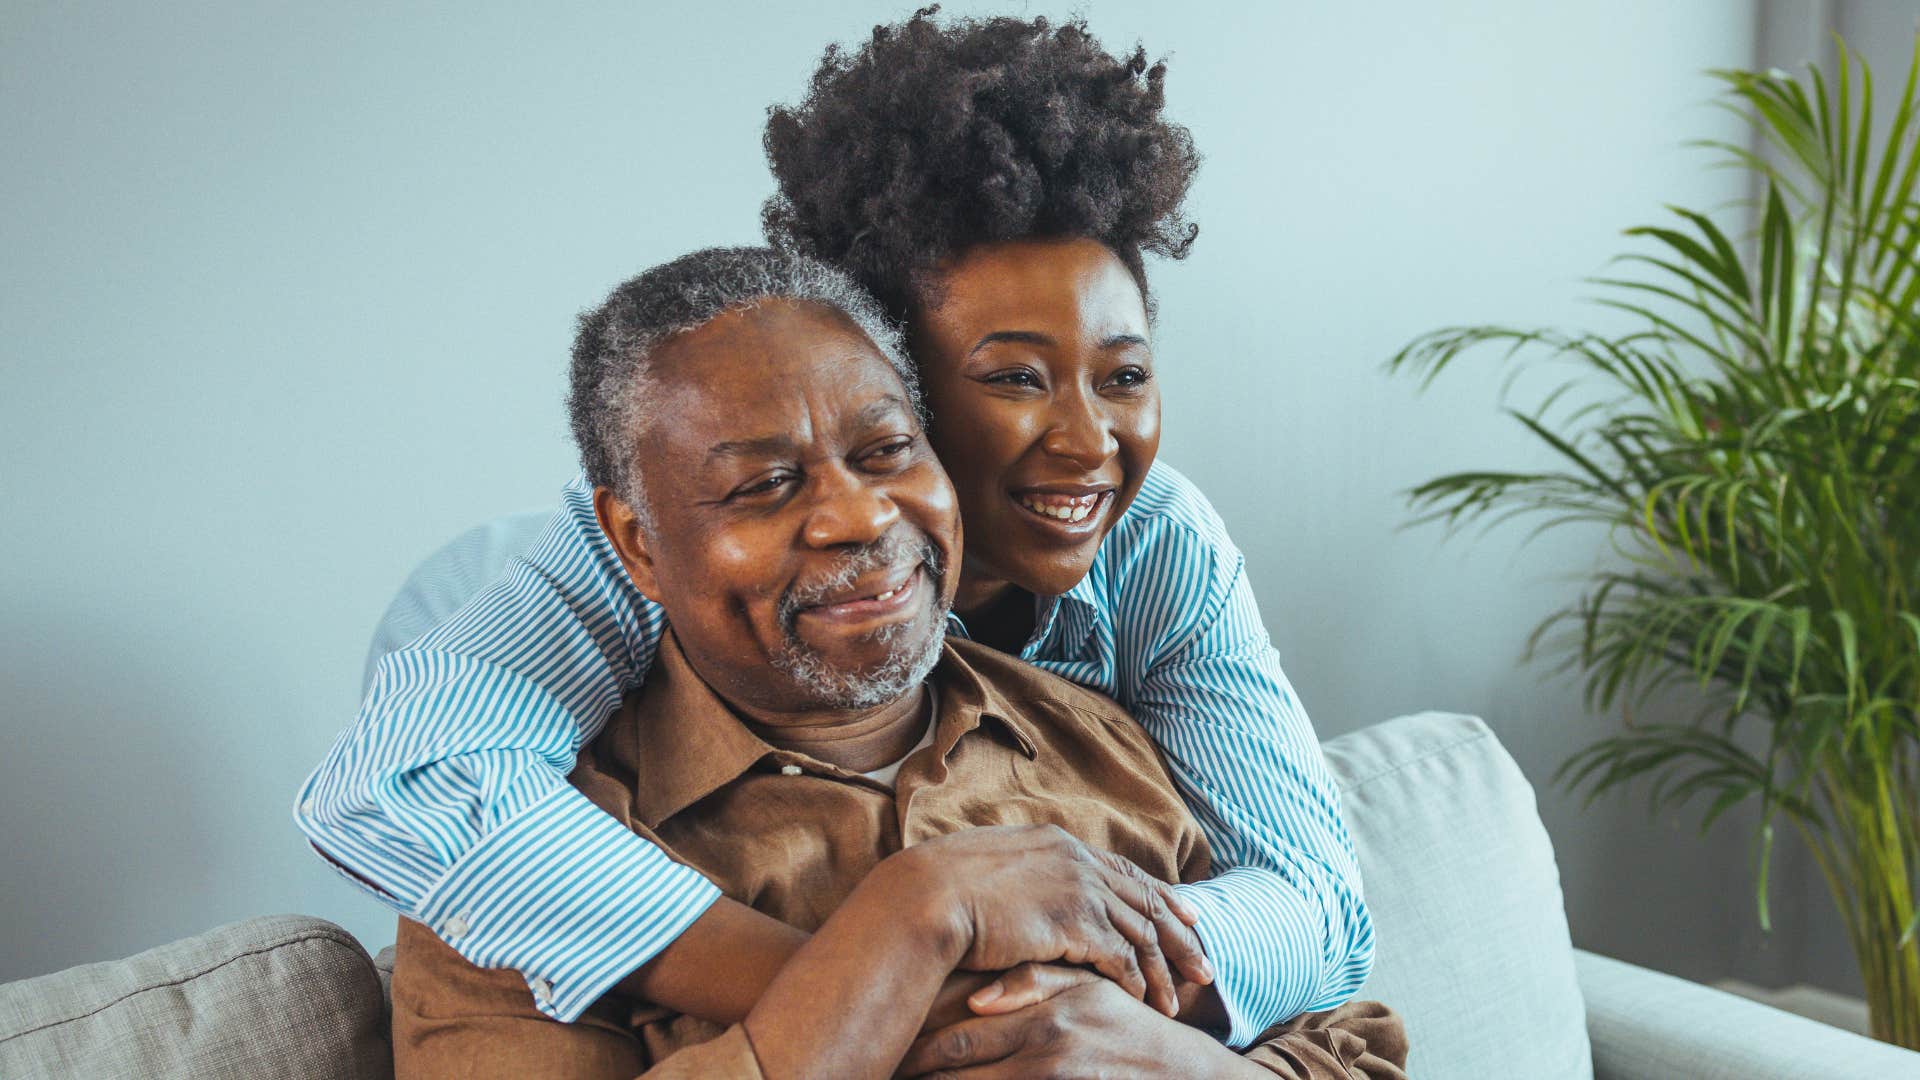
858, 740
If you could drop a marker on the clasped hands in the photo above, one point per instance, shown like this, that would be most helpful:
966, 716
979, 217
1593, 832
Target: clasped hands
1083, 942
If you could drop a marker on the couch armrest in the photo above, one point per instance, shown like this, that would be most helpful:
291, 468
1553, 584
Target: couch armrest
1644, 1024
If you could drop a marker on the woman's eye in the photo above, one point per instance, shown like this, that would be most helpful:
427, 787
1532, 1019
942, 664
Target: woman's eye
1130, 377
1013, 377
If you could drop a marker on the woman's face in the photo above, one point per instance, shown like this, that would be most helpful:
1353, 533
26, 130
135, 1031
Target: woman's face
1038, 369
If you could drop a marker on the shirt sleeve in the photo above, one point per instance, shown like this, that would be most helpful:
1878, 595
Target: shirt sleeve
447, 798
1361, 1040
1284, 920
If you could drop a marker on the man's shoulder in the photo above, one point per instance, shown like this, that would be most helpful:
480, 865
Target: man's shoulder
1058, 712
1023, 683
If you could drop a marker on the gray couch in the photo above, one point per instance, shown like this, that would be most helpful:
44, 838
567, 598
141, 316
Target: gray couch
1473, 950
1473, 947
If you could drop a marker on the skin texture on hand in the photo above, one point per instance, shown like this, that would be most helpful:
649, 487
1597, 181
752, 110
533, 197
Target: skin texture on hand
1088, 1030
1010, 926
1034, 893
983, 898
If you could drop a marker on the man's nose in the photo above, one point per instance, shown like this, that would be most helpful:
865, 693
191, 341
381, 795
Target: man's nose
848, 508
1081, 433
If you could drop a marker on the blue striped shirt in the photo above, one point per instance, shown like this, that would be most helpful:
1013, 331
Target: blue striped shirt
448, 796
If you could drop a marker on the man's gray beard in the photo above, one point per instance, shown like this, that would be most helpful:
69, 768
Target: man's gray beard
906, 667
908, 663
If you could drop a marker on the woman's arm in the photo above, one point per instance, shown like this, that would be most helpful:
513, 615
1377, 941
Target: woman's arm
1283, 918
447, 798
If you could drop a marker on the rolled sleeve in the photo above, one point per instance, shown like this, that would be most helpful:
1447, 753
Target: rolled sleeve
557, 894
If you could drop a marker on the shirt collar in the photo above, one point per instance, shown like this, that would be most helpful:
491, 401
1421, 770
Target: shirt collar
1072, 612
681, 742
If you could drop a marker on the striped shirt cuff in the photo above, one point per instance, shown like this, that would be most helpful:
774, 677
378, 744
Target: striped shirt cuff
569, 897
1265, 943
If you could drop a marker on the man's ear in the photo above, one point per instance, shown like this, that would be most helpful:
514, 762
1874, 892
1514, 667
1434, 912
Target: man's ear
622, 527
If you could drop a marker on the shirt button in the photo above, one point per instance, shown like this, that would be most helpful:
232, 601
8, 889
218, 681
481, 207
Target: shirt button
790, 770
542, 991
455, 929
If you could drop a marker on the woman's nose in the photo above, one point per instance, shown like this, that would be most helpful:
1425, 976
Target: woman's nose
1083, 435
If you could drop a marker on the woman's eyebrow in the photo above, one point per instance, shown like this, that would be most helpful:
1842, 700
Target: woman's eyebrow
1018, 337
1034, 337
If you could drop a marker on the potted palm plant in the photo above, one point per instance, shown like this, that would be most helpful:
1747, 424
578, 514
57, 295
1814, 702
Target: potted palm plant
1754, 452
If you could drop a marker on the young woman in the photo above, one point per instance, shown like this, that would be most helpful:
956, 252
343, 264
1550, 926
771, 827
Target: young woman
996, 184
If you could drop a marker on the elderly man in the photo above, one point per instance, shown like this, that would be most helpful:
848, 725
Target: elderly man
809, 741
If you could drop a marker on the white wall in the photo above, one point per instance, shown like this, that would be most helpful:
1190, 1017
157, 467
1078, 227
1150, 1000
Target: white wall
287, 298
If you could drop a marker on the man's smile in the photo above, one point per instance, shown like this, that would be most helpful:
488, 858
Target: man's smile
877, 597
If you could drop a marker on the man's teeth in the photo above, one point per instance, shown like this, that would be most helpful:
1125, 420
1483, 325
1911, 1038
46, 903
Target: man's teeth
1076, 512
888, 593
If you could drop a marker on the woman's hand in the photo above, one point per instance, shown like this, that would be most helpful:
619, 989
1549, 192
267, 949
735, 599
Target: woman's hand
1008, 895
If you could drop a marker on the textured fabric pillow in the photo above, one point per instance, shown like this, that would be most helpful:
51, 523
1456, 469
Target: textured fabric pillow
282, 996
1470, 928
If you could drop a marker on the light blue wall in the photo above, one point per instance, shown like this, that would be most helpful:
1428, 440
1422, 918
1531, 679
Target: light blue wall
287, 296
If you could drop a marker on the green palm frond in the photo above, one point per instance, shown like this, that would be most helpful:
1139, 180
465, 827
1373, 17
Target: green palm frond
1753, 448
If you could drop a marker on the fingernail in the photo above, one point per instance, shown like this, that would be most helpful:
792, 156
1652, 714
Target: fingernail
987, 994
1206, 971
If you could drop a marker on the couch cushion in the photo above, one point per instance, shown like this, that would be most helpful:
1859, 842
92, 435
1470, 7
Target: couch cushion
282, 996
1470, 930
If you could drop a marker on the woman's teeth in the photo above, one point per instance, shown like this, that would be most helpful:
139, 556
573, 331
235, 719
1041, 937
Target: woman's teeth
1070, 510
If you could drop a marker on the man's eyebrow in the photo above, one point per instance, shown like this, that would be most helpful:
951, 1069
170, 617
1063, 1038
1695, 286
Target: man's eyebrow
764, 446
884, 409
781, 445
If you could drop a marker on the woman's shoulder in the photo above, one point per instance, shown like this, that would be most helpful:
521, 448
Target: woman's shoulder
1171, 529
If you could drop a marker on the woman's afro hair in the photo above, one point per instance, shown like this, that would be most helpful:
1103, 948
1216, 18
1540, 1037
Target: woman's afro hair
932, 138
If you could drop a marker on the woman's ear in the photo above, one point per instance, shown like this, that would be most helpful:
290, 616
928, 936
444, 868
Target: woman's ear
622, 527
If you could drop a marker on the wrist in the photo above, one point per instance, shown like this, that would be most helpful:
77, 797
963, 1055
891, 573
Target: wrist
1204, 1056
921, 904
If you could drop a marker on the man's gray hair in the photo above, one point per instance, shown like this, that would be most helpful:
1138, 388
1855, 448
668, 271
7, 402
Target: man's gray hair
608, 400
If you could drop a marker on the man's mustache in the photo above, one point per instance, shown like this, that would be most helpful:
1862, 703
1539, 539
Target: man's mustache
901, 545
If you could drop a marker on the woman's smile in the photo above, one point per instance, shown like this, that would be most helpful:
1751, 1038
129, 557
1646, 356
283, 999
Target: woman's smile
1069, 517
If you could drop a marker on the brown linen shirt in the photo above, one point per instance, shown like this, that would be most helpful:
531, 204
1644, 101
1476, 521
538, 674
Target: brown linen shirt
792, 836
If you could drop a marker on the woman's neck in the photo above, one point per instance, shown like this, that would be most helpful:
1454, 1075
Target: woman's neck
998, 614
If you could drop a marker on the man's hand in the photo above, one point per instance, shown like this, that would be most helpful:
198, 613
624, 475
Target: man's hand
1013, 894
1090, 1030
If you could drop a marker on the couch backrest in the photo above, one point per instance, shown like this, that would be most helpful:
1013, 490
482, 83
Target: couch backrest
282, 997
1470, 930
